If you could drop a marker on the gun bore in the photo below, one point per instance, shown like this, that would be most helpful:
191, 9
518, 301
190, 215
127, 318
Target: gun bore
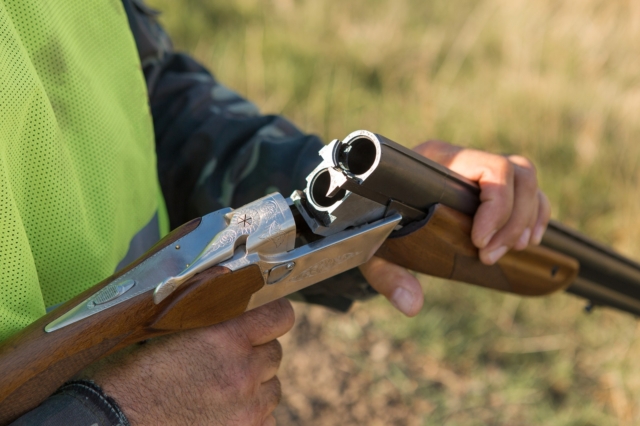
320, 187
357, 156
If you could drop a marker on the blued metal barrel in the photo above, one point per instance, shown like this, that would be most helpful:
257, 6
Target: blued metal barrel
400, 174
606, 277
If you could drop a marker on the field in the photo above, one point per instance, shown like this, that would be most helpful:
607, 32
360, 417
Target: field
556, 81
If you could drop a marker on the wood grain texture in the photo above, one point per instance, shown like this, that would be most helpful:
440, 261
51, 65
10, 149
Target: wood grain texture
441, 246
199, 304
33, 363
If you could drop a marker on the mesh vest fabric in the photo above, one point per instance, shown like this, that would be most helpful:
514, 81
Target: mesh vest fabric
77, 163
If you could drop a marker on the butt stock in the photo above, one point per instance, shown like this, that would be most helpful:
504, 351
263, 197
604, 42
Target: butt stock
34, 363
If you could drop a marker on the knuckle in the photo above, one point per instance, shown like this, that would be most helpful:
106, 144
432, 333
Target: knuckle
276, 317
504, 162
504, 166
273, 389
528, 178
523, 162
525, 171
274, 354
265, 402
268, 354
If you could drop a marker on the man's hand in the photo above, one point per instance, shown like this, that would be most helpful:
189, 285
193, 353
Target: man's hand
219, 375
513, 214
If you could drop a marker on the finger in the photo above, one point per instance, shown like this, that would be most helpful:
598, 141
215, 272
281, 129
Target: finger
544, 215
265, 360
531, 226
395, 283
527, 171
517, 231
270, 394
525, 206
494, 174
268, 322
523, 236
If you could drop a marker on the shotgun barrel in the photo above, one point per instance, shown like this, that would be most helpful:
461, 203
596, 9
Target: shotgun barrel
377, 168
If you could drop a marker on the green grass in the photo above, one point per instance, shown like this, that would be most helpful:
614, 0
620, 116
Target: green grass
556, 81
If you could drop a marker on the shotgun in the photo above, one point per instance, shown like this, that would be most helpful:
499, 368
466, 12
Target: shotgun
368, 196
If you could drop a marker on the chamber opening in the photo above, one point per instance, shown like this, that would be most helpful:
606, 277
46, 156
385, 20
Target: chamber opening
358, 156
319, 188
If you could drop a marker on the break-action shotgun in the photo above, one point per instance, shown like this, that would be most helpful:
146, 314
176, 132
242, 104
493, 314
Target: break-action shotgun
368, 196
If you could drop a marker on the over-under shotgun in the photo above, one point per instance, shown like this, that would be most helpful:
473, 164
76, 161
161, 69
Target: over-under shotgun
368, 196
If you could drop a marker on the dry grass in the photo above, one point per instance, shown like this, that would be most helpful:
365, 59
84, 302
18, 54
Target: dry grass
556, 81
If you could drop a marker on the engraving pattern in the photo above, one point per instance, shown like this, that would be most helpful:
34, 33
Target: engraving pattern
325, 265
274, 234
265, 218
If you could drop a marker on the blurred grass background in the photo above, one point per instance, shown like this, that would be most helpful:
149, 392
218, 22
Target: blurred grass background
556, 81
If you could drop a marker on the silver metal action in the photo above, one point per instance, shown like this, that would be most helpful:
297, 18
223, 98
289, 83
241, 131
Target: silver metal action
168, 262
316, 261
265, 226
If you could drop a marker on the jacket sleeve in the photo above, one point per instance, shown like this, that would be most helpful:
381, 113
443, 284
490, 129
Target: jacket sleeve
76, 403
215, 149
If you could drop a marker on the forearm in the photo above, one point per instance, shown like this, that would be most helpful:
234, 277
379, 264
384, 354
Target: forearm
215, 149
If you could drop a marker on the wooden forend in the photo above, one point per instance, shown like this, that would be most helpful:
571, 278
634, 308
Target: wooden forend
441, 246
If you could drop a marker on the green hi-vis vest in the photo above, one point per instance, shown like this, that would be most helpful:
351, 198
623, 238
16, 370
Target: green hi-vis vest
77, 160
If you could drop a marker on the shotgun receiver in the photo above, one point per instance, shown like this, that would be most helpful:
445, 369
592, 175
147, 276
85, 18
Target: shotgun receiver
368, 196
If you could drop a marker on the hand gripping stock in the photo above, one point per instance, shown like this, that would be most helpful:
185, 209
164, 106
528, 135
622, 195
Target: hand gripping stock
207, 271
121, 310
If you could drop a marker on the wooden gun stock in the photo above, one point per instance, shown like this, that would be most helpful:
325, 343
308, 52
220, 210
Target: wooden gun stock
440, 245
35, 363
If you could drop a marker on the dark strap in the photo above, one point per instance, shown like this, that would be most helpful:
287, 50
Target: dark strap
77, 403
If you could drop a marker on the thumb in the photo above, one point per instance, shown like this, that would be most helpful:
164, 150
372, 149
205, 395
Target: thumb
395, 283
